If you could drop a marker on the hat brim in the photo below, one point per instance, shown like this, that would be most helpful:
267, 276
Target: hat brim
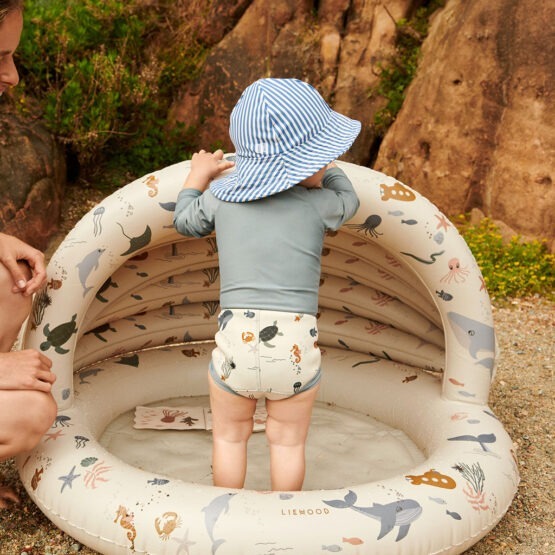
263, 176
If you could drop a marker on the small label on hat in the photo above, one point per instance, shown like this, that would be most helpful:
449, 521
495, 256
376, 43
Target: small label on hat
261, 148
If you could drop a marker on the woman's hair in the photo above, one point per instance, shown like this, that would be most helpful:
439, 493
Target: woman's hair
6, 6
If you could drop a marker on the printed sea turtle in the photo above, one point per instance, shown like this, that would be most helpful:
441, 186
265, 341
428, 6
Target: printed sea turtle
59, 335
268, 333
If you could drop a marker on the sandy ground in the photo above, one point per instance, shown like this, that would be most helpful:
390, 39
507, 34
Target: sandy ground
521, 397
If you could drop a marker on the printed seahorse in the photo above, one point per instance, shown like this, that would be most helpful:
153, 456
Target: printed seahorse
296, 352
152, 183
126, 522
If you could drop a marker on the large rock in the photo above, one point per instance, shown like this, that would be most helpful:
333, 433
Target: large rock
32, 179
477, 129
335, 47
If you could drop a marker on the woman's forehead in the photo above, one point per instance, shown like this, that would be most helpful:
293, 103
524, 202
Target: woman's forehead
10, 31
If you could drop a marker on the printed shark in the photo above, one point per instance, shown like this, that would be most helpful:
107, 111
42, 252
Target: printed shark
213, 511
474, 336
401, 513
86, 266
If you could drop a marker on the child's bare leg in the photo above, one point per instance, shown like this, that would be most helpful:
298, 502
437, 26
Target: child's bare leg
286, 429
231, 429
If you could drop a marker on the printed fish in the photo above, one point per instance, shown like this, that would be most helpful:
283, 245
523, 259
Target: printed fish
445, 296
466, 394
158, 482
352, 541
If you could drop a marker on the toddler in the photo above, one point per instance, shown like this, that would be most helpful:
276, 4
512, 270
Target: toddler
270, 215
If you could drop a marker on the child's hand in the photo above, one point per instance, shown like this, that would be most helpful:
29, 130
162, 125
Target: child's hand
205, 166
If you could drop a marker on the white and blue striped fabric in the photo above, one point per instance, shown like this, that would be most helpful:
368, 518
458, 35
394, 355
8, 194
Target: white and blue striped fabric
283, 132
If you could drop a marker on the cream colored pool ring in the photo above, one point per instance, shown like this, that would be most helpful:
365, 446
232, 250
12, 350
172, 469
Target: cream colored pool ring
407, 334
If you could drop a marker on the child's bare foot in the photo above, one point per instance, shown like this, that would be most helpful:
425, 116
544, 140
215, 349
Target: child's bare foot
7, 494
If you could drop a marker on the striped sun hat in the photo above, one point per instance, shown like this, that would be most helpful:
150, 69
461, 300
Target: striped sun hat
283, 132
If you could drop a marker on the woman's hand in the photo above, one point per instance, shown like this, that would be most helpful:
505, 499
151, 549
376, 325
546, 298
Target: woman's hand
13, 250
26, 369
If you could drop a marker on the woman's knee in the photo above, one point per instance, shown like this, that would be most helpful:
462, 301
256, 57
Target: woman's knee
37, 418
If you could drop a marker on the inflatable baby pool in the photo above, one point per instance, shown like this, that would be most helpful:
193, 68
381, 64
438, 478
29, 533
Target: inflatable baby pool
406, 331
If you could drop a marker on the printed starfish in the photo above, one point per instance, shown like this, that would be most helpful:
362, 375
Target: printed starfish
184, 543
68, 479
54, 435
443, 222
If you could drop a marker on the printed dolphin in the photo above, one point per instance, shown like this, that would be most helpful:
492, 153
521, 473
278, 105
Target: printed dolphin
86, 266
482, 439
401, 513
212, 513
474, 336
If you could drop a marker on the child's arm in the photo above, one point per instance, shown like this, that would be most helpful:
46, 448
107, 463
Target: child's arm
205, 166
339, 202
194, 211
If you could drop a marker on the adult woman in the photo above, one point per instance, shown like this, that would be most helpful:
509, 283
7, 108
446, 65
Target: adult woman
27, 408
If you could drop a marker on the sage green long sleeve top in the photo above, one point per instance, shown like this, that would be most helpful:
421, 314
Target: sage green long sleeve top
270, 249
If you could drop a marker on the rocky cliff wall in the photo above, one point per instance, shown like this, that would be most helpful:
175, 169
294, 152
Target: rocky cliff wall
32, 179
476, 129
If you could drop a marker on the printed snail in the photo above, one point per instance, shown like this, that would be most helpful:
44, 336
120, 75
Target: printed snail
407, 338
